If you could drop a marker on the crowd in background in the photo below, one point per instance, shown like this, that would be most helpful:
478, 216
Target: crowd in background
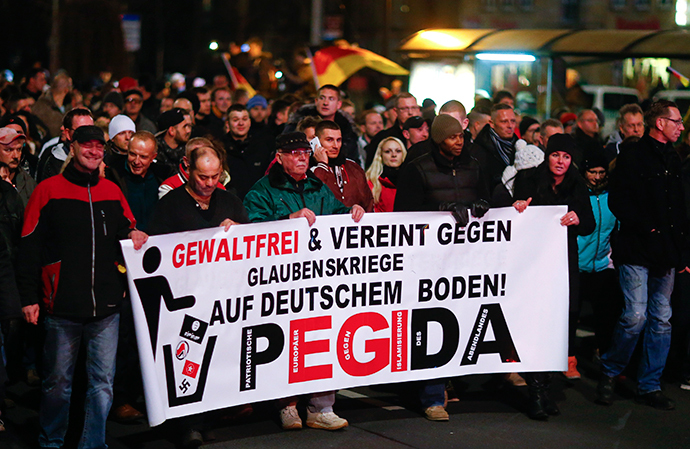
83, 169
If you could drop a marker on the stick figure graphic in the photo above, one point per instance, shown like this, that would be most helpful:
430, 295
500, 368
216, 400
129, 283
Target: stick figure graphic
152, 289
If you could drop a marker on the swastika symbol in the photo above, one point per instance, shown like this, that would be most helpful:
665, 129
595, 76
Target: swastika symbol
184, 386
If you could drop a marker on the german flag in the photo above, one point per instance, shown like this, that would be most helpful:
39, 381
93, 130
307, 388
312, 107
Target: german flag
333, 65
237, 81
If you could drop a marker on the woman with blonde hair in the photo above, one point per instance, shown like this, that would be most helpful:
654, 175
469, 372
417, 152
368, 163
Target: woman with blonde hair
382, 175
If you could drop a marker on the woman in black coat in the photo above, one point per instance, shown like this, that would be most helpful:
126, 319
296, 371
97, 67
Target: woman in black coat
557, 182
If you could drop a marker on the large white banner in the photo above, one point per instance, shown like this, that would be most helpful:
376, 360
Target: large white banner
278, 309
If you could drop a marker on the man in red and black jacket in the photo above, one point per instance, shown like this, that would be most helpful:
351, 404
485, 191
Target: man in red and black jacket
71, 260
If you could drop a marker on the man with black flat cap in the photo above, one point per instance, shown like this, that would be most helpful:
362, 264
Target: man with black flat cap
175, 130
71, 253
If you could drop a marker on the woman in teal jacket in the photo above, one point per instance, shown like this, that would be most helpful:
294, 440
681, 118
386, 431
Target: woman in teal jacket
598, 277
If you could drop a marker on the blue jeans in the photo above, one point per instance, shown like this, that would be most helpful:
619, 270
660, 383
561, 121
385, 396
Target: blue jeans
432, 392
647, 307
63, 338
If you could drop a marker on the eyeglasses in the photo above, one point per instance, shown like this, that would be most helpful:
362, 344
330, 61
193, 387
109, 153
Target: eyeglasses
298, 153
133, 100
409, 109
677, 121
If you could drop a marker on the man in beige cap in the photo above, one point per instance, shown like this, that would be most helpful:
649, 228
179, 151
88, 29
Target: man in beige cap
11, 144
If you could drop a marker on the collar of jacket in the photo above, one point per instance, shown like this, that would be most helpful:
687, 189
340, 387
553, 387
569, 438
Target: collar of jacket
279, 180
659, 147
238, 146
80, 178
443, 161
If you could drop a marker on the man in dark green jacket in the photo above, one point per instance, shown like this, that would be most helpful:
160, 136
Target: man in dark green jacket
290, 190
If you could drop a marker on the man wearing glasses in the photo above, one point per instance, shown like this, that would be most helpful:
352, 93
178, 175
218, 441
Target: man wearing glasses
646, 196
587, 137
134, 100
405, 106
290, 190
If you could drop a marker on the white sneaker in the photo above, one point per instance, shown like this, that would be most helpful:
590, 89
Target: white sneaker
290, 418
326, 421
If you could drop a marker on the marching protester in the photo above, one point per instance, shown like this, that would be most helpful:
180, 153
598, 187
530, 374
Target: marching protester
382, 175
648, 251
290, 190
11, 144
249, 150
327, 106
598, 277
54, 153
83, 255
344, 177
429, 184
557, 182
198, 204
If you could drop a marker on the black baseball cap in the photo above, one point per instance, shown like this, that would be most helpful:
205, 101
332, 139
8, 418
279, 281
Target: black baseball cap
88, 133
413, 122
171, 118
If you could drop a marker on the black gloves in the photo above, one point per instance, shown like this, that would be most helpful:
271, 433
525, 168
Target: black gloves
480, 208
459, 211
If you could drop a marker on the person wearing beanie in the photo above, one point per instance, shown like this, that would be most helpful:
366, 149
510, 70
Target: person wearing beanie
120, 131
448, 179
529, 130
258, 110
598, 278
557, 182
113, 103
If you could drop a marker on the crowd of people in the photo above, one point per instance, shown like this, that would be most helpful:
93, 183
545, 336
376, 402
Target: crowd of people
82, 171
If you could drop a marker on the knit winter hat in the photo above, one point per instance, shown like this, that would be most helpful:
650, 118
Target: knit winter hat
561, 142
443, 127
526, 156
525, 123
120, 123
115, 98
257, 100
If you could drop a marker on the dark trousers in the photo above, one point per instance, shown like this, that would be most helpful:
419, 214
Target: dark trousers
603, 292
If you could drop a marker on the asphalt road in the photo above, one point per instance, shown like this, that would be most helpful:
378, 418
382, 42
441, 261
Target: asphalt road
488, 415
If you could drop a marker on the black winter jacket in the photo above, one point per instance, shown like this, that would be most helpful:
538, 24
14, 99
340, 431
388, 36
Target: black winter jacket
432, 179
646, 195
484, 151
70, 245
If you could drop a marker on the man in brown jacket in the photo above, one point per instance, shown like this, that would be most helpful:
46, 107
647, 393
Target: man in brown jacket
344, 177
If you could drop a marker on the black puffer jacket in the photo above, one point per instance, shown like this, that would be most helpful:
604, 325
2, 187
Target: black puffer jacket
432, 179
646, 195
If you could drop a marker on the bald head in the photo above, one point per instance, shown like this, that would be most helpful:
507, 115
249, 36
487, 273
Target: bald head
456, 110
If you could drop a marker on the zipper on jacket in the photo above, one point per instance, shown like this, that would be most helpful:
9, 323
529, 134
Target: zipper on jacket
286, 205
105, 230
93, 250
596, 249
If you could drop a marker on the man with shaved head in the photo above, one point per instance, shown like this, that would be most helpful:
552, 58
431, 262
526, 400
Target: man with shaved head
456, 110
494, 146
